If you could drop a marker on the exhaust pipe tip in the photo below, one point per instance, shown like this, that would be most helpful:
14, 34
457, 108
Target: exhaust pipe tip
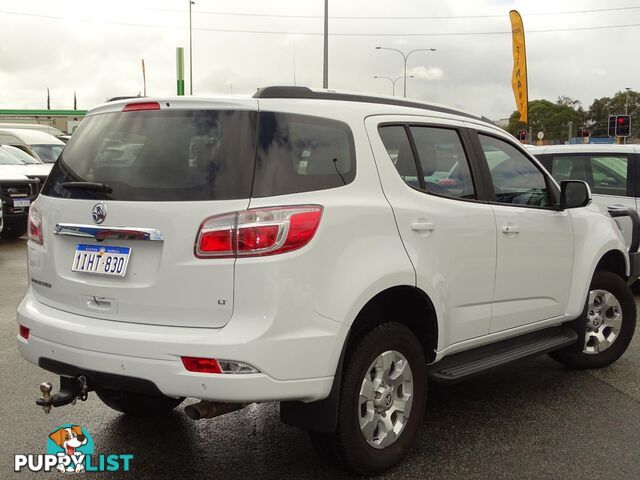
193, 412
207, 409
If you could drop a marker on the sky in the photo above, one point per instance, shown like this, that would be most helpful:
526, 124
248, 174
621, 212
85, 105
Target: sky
95, 48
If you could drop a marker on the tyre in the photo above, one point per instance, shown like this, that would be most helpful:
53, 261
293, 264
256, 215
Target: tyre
609, 323
382, 402
12, 233
137, 404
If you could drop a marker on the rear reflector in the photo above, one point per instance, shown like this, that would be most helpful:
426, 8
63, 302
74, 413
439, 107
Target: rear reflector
201, 365
211, 365
136, 107
24, 332
258, 232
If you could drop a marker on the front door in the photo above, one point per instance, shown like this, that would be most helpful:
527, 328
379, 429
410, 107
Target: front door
535, 240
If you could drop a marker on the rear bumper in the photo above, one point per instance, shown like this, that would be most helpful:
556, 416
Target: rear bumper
294, 365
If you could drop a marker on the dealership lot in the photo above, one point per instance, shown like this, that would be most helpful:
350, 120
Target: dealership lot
533, 419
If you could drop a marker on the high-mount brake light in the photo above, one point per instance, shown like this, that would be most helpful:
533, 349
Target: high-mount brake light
257, 232
139, 106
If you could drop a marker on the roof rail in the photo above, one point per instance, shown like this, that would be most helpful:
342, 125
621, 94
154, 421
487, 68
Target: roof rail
307, 93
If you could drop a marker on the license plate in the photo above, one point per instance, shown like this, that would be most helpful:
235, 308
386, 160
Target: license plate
102, 260
21, 202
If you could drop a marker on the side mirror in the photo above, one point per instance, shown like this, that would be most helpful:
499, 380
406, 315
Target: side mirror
574, 194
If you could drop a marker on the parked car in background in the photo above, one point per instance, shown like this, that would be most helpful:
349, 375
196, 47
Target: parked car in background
39, 144
17, 192
612, 172
34, 126
16, 160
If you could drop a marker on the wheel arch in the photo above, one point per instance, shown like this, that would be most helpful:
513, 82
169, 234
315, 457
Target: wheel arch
405, 304
613, 261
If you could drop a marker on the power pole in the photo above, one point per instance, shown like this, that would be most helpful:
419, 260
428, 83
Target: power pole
325, 65
570, 131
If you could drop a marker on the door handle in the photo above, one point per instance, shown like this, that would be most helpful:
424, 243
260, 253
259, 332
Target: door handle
510, 228
423, 227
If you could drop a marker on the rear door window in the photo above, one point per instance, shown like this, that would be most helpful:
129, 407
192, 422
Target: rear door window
605, 174
160, 156
444, 163
301, 153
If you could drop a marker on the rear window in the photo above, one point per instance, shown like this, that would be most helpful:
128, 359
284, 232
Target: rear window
204, 155
301, 153
160, 156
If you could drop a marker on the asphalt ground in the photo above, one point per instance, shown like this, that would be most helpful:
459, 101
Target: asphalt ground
530, 420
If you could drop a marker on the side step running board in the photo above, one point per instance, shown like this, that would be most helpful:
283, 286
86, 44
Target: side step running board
460, 366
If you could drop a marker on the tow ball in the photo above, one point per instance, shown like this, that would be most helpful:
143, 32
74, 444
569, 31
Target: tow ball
71, 389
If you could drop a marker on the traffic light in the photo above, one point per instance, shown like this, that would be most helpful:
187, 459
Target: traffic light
522, 135
612, 125
623, 125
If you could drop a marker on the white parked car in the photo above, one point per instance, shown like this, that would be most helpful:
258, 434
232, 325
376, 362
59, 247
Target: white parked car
612, 172
39, 144
326, 251
19, 161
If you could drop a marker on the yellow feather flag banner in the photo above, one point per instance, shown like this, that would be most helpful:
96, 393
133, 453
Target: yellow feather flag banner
519, 76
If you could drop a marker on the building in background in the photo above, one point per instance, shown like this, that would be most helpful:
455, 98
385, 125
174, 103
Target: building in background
64, 120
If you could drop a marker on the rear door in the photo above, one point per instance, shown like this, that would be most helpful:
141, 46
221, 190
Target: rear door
167, 170
449, 235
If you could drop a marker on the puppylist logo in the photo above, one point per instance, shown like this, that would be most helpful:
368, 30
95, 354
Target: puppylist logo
70, 449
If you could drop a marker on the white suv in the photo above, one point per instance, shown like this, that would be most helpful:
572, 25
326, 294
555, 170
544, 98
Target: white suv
323, 250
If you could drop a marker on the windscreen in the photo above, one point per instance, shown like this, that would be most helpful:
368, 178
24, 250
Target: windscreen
21, 155
179, 155
48, 153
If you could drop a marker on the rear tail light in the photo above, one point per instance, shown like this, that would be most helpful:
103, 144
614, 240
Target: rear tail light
24, 332
34, 227
258, 232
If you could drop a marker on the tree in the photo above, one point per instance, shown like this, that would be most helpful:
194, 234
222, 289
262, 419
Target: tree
550, 118
601, 108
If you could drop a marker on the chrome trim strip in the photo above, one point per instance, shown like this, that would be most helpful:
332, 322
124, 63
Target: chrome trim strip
108, 233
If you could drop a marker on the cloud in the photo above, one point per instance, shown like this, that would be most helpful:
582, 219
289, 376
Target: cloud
427, 73
101, 60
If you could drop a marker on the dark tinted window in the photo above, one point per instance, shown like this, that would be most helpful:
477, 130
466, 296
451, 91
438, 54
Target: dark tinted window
444, 163
398, 147
605, 174
516, 179
300, 153
160, 156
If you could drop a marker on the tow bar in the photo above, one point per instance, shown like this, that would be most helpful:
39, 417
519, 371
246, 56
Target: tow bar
71, 389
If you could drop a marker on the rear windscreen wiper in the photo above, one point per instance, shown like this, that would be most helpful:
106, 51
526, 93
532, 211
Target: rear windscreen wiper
96, 187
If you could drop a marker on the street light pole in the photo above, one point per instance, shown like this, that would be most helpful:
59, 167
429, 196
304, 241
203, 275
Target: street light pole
626, 104
325, 63
393, 81
405, 57
190, 51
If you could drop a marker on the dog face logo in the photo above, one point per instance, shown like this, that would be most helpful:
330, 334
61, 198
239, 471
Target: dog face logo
69, 438
71, 442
